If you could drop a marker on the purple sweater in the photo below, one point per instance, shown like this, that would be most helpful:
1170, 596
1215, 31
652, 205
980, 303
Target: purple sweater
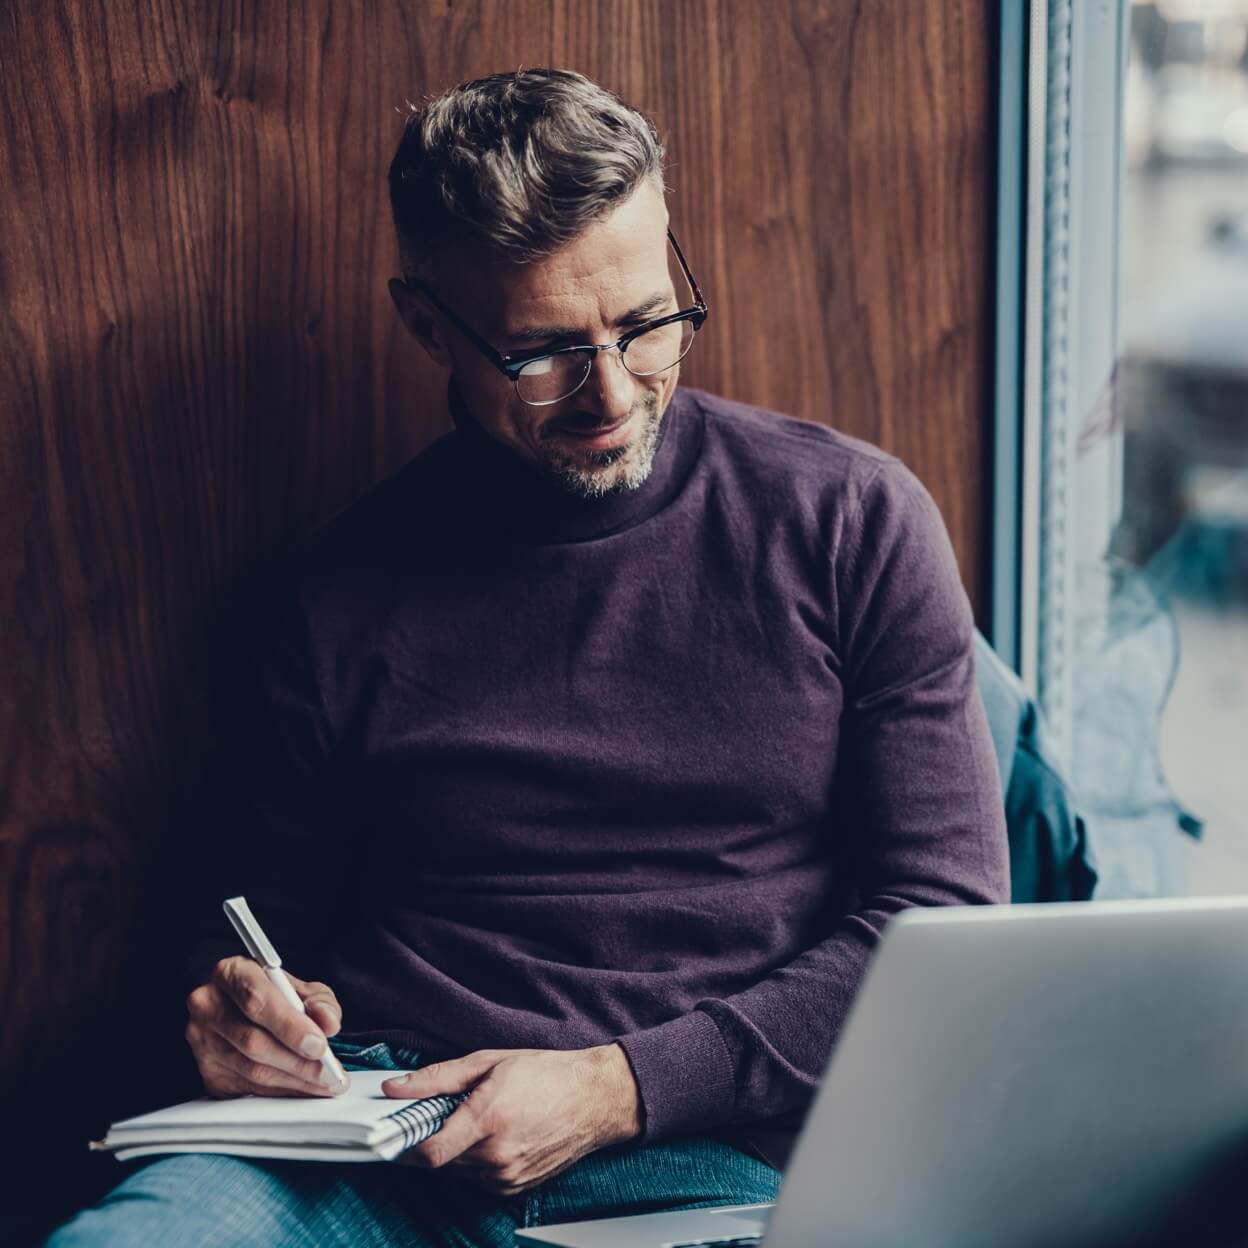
654, 769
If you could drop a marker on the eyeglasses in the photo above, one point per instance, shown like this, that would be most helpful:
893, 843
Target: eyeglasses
543, 377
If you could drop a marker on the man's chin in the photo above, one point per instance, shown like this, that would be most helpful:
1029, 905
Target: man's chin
595, 474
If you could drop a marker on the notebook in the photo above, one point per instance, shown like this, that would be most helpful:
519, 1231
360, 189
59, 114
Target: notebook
363, 1124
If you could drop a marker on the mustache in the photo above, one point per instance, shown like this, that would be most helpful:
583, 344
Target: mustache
589, 422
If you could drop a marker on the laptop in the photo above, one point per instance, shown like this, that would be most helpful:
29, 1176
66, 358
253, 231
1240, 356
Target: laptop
1021, 1076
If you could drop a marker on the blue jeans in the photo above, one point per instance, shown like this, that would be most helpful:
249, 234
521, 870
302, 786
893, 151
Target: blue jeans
200, 1200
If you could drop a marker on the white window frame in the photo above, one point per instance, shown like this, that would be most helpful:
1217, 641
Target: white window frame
1063, 67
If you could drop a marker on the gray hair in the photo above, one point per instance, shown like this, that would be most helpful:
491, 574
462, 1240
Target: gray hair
519, 164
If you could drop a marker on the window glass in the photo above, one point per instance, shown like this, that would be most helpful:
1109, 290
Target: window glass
1160, 708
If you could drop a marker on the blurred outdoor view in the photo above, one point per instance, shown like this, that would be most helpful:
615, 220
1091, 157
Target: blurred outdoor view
1166, 664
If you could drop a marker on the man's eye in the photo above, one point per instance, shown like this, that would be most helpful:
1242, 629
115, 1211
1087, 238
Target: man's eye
536, 368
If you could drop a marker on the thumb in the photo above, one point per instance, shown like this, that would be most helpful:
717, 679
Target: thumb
441, 1078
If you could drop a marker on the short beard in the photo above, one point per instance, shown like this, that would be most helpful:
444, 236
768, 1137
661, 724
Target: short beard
619, 470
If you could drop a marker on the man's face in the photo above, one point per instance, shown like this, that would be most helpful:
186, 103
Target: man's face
611, 279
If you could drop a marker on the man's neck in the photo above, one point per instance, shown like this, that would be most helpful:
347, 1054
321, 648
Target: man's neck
529, 502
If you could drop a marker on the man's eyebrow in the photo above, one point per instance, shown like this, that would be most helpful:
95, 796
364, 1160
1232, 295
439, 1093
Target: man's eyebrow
657, 300
546, 333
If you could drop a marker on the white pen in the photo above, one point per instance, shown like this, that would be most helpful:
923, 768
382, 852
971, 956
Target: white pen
261, 948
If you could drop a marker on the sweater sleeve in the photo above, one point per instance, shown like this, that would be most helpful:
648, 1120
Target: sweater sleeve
921, 800
270, 826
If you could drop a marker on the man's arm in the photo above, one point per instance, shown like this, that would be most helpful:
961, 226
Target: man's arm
269, 830
918, 769
271, 826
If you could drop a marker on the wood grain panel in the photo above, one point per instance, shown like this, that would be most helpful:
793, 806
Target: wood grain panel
198, 360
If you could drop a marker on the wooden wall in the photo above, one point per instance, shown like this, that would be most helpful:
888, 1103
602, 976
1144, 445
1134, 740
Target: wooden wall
198, 360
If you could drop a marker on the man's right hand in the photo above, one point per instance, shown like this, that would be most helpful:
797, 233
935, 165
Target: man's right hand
247, 1039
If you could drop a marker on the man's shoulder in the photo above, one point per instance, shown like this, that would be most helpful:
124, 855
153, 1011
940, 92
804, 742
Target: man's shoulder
780, 465
789, 442
770, 445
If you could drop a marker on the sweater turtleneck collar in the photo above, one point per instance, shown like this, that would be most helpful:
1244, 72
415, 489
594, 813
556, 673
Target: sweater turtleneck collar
513, 498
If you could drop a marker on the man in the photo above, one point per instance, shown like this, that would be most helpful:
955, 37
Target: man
588, 755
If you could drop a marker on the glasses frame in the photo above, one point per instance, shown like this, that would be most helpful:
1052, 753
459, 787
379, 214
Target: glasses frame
510, 364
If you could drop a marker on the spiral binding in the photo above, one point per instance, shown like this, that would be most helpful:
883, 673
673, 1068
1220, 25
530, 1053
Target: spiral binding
421, 1119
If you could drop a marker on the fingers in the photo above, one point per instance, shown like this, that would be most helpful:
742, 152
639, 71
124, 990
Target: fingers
260, 1047
227, 1072
321, 1004
443, 1078
510, 1134
326, 1015
455, 1136
463, 1128
246, 1037
256, 996
472, 1141
223, 1081
505, 1180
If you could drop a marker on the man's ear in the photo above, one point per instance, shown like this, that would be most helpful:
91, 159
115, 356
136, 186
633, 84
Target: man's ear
418, 318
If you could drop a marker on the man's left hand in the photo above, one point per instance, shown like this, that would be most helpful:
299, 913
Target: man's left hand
530, 1112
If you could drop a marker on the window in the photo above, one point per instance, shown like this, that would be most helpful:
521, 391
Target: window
1122, 560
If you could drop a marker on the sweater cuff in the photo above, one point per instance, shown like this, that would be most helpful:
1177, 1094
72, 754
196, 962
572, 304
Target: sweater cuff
684, 1076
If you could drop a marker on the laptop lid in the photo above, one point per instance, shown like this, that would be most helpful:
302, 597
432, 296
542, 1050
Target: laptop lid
1027, 1076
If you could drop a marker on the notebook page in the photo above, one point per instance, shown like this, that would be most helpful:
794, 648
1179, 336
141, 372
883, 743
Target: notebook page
362, 1105
274, 1152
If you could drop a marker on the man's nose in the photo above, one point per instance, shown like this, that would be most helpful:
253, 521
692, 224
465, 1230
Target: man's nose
609, 389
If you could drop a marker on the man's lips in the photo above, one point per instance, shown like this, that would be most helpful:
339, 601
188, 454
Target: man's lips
599, 438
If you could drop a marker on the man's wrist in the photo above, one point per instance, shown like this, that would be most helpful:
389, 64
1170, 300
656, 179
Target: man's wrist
617, 1093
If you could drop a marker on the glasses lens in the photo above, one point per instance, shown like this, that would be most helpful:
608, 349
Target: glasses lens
553, 377
659, 349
